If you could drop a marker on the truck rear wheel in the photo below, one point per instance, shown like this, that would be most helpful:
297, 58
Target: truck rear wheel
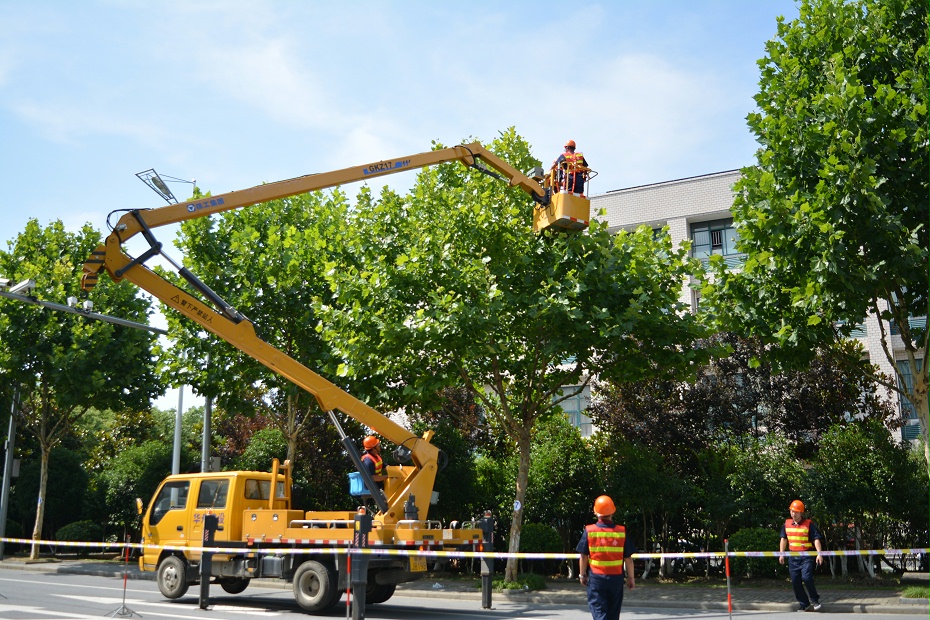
172, 577
379, 592
315, 586
234, 585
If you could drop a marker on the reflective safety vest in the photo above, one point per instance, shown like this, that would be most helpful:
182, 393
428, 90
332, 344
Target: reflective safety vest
605, 549
799, 535
377, 460
573, 160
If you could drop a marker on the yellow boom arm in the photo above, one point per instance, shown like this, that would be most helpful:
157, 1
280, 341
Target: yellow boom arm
228, 324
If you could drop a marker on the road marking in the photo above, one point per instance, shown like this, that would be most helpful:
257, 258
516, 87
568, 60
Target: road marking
19, 610
257, 610
73, 585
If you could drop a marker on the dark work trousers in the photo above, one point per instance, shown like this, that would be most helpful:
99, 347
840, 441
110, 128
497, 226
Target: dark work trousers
605, 596
801, 570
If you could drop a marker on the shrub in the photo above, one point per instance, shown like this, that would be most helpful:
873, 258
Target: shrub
755, 539
539, 538
80, 531
525, 581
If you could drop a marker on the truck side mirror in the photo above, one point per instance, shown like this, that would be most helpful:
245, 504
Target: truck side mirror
138, 505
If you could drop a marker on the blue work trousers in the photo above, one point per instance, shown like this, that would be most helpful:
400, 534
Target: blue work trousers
801, 570
605, 596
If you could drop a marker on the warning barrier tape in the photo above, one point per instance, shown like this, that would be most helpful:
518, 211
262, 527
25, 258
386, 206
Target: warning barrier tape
454, 554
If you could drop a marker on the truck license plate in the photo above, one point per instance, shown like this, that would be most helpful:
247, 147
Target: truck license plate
417, 565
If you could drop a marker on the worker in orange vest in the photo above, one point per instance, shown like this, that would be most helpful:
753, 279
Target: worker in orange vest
800, 534
572, 169
372, 460
606, 551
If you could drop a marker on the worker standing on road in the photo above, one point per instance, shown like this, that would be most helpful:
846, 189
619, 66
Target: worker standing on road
606, 550
800, 534
371, 458
572, 169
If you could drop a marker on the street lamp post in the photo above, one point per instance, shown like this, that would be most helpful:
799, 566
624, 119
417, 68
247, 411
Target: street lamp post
7, 470
159, 185
23, 292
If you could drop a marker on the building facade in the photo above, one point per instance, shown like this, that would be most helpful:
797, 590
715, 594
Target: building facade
697, 209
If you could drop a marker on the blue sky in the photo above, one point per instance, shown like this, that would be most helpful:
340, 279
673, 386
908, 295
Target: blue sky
236, 93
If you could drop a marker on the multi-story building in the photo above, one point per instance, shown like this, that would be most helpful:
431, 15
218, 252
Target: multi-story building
698, 209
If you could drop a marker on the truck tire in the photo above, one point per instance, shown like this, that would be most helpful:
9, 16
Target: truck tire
172, 577
234, 585
315, 586
379, 592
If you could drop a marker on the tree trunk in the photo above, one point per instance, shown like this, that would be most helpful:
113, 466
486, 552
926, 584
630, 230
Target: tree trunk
921, 406
290, 432
523, 476
40, 504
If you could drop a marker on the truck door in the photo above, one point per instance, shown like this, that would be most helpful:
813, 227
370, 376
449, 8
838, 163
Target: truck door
168, 519
212, 498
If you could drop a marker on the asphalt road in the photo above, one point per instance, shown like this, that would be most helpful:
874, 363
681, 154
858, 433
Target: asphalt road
50, 596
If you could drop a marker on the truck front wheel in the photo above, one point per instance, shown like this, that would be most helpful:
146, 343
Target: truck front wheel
172, 577
315, 586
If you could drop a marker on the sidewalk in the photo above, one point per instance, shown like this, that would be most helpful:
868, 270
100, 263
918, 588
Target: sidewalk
685, 597
565, 592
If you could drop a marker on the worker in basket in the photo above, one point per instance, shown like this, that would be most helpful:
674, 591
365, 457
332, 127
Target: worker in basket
371, 459
571, 170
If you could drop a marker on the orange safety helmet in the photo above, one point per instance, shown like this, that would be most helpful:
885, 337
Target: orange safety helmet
371, 442
570, 143
796, 506
604, 506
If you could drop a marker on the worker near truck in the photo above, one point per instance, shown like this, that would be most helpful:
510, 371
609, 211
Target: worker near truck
800, 534
571, 169
371, 459
606, 560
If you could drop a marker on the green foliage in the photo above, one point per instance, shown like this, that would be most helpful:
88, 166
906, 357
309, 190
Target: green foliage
13, 529
834, 214
136, 473
80, 531
268, 262
105, 434
266, 444
563, 478
67, 486
863, 477
459, 290
766, 476
456, 483
523, 581
62, 364
756, 539
641, 484
539, 538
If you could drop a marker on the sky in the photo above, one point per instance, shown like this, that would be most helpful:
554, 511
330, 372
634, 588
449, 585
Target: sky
234, 93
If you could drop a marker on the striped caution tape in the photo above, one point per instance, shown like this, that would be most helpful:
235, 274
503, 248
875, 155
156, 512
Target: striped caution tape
454, 554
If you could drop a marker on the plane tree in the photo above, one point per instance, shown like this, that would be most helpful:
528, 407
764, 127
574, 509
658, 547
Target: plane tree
448, 286
61, 364
265, 261
834, 214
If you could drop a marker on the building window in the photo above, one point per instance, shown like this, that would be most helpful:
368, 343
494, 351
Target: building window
911, 428
574, 408
914, 322
716, 237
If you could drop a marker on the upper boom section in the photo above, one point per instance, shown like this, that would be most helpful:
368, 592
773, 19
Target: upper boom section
131, 223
